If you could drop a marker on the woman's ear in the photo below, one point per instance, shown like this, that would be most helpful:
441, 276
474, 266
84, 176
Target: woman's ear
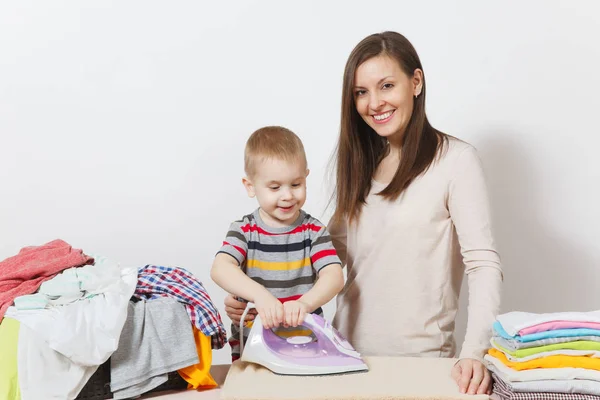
417, 80
249, 187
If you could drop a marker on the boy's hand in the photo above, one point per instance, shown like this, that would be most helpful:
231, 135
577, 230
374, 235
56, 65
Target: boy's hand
270, 310
294, 313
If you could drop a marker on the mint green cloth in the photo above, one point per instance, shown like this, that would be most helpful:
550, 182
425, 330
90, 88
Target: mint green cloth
31, 302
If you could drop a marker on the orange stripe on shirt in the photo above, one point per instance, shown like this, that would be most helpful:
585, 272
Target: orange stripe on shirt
278, 266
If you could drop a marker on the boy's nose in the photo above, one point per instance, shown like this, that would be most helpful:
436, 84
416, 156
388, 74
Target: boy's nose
286, 194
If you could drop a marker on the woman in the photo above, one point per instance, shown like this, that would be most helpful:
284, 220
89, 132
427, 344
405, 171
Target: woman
411, 216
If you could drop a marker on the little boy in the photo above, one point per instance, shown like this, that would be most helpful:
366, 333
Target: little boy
272, 257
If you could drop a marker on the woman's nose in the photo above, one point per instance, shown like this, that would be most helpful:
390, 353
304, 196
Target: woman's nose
375, 102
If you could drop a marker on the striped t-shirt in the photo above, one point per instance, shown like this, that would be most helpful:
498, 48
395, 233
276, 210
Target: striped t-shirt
284, 260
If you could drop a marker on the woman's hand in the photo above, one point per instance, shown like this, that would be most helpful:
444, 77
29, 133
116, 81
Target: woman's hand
472, 377
235, 309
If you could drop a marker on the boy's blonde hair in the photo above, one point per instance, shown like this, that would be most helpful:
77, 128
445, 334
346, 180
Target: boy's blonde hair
272, 142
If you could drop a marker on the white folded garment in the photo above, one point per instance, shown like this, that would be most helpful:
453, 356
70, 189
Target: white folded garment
542, 354
514, 321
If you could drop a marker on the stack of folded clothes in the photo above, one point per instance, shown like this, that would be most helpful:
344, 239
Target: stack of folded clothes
552, 356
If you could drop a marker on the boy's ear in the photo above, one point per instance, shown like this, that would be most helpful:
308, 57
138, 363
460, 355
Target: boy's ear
307, 172
249, 186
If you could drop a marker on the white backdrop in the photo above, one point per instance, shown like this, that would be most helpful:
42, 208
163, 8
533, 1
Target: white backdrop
122, 123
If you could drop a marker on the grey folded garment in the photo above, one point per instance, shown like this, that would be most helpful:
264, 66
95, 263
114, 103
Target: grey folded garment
157, 338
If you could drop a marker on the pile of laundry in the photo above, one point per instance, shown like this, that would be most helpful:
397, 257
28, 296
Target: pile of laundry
545, 356
63, 313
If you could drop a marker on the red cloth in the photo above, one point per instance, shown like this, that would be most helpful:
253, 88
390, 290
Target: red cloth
24, 273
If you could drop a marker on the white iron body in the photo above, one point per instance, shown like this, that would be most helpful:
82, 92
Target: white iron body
324, 352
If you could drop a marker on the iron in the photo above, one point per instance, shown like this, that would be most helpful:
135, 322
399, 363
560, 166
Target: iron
323, 352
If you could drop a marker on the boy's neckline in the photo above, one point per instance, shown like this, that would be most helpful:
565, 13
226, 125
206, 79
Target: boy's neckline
282, 229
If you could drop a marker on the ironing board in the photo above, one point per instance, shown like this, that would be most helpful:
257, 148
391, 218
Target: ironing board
404, 378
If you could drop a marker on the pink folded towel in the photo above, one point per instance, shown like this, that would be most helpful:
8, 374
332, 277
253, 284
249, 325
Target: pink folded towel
554, 325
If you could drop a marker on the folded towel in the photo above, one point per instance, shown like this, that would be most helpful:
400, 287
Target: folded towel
513, 344
511, 375
513, 322
576, 348
554, 325
499, 329
548, 362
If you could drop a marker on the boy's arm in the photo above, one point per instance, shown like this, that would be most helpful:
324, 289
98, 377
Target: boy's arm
226, 273
329, 284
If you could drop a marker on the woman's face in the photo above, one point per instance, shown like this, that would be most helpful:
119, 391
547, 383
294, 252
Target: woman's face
384, 95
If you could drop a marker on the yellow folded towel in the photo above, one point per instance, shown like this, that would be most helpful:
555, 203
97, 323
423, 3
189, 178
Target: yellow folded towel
560, 361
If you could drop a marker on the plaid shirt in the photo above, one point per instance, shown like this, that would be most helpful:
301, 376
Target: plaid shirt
504, 392
180, 284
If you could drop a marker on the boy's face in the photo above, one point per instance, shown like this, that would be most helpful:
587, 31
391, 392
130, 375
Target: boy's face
280, 188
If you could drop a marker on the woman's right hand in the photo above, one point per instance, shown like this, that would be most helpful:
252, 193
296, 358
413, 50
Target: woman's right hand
234, 310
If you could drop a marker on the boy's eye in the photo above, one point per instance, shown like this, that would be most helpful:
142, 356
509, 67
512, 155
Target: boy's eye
296, 185
274, 187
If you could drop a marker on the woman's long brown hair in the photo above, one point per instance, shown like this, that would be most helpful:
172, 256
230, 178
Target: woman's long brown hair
360, 149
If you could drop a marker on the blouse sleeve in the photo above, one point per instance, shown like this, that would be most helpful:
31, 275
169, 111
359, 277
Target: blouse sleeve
338, 232
469, 208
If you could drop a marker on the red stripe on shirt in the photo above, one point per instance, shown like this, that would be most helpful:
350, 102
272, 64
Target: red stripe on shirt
291, 298
323, 253
238, 248
255, 228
